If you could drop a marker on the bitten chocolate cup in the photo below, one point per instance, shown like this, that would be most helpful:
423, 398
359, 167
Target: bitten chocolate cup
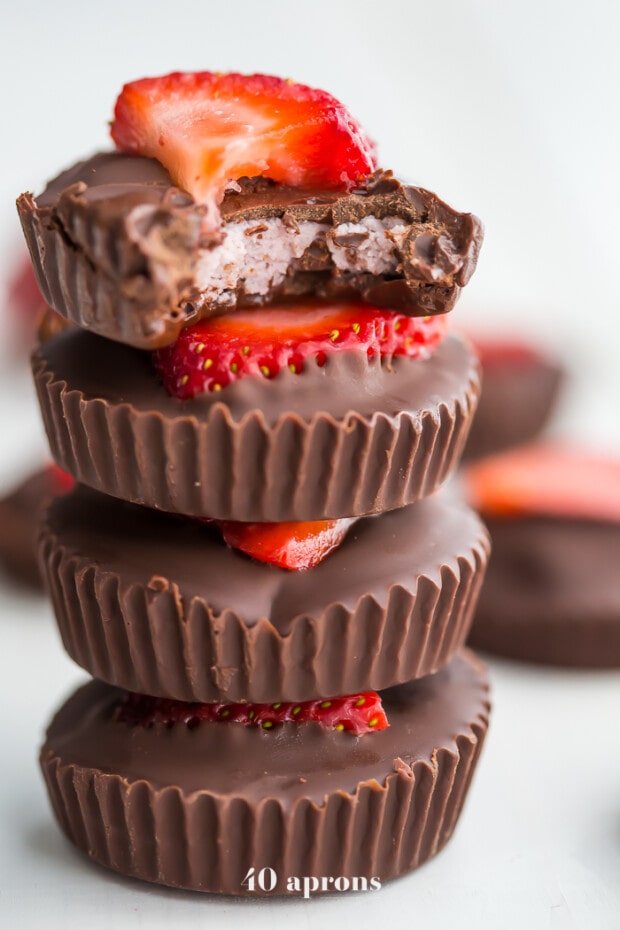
119, 250
353, 437
198, 808
160, 605
552, 592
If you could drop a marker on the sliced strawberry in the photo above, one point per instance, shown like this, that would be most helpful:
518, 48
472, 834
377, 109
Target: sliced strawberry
208, 129
356, 713
545, 479
216, 352
296, 546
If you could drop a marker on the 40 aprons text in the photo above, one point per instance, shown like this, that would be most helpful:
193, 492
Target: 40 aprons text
266, 880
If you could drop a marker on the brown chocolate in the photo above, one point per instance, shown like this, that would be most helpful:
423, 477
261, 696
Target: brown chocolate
160, 605
552, 592
196, 808
356, 436
115, 247
519, 391
20, 515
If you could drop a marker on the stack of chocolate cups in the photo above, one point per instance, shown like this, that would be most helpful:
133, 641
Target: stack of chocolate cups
149, 599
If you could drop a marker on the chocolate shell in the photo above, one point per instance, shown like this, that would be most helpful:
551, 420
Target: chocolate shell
552, 592
354, 437
518, 396
118, 250
158, 604
197, 808
20, 515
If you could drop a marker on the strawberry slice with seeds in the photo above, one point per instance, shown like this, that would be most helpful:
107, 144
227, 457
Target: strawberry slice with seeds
296, 546
259, 343
208, 129
545, 479
355, 713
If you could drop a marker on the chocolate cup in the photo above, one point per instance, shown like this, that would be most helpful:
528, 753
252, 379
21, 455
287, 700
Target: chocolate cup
160, 605
20, 515
354, 437
552, 592
515, 404
115, 247
196, 808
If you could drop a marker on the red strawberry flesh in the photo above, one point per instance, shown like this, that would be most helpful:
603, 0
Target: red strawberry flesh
208, 129
259, 343
296, 546
547, 480
355, 713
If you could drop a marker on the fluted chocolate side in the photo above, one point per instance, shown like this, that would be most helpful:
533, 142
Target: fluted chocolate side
354, 437
391, 803
160, 605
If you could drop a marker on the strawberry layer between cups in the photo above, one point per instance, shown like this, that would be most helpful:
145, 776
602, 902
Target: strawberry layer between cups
260, 343
354, 713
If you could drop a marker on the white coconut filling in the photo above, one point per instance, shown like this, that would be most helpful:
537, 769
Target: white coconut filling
257, 253
374, 253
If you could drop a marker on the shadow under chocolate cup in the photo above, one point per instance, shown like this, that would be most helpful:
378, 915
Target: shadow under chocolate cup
353, 437
159, 604
198, 808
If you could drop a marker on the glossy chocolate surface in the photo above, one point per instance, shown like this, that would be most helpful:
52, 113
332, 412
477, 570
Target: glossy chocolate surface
288, 763
115, 247
196, 808
160, 605
353, 437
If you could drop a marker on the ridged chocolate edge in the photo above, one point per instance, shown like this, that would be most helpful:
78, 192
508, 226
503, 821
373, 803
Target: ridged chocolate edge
83, 294
205, 842
160, 643
216, 467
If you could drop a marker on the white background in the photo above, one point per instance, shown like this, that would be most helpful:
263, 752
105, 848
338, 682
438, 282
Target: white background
508, 109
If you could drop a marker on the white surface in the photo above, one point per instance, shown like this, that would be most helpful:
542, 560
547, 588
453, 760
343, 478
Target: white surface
508, 109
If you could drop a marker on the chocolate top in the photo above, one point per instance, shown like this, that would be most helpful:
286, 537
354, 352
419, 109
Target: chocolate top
142, 240
112, 183
288, 762
157, 551
348, 383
